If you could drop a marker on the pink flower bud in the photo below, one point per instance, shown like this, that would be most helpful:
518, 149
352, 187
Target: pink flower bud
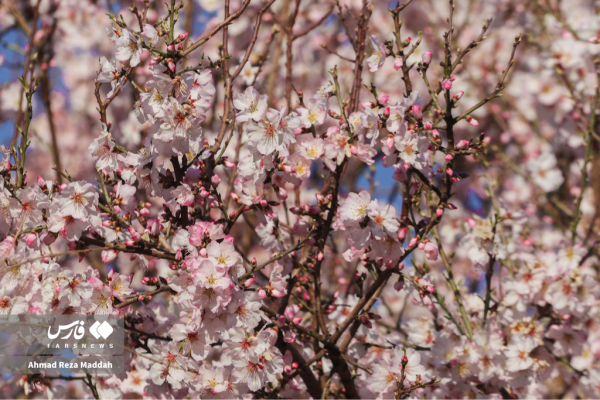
472, 121
182, 36
389, 141
426, 57
353, 149
229, 164
281, 320
386, 112
171, 65
439, 212
383, 98
402, 234
421, 245
463, 144
171, 48
235, 197
135, 235
30, 238
449, 157
41, 183
446, 84
215, 180
428, 125
412, 242
458, 95
398, 63
144, 211
449, 171
179, 255
417, 112
141, 298
155, 60
435, 134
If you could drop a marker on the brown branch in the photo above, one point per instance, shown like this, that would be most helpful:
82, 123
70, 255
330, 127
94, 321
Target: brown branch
315, 25
29, 64
228, 21
135, 298
253, 41
127, 249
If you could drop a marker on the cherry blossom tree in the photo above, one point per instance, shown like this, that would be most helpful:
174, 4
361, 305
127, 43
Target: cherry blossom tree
307, 199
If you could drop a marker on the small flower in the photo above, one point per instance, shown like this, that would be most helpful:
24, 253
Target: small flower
376, 60
130, 48
251, 104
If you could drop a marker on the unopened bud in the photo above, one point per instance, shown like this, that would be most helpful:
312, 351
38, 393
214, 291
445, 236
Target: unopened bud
41, 183
402, 234
463, 144
426, 57
383, 98
417, 112
398, 63
171, 65
472, 121
389, 141
155, 60
458, 95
